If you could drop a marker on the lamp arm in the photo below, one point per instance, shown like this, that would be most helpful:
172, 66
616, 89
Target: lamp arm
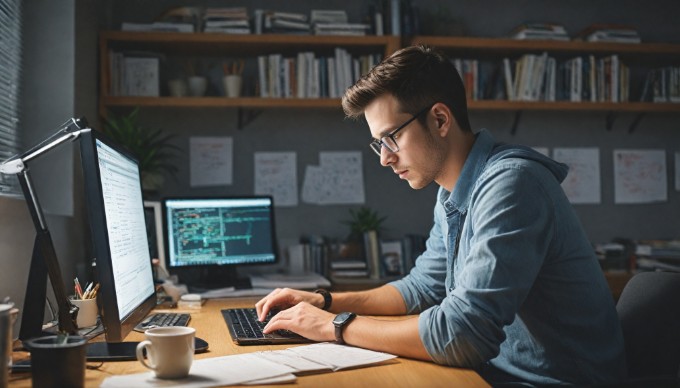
69, 131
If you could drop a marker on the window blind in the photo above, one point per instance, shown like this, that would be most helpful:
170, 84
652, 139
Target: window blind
10, 75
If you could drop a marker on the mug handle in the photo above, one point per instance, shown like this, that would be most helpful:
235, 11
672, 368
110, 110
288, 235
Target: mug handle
140, 354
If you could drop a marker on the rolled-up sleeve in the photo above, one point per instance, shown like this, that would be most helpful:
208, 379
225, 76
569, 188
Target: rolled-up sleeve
425, 285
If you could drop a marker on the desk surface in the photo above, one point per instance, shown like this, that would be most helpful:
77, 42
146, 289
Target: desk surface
210, 326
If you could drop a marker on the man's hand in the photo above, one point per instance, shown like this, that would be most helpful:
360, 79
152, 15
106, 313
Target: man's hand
306, 320
284, 298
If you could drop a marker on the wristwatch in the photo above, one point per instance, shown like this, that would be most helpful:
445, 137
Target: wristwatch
340, 321
327, 298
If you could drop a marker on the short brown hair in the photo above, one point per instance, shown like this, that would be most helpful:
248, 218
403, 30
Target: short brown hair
416, 76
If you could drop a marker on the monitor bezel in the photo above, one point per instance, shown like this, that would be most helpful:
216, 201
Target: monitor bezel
166, 227
116, 329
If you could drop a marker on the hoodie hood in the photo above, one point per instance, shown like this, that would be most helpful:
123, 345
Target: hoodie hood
484, 152
506, 151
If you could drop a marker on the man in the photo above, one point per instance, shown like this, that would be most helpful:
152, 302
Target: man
508, 285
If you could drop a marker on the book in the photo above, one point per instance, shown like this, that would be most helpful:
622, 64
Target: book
328, 16
141, 77
539, 31
158, 27
617, 33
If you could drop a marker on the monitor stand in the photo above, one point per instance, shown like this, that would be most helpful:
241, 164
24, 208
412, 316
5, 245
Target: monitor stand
212, 278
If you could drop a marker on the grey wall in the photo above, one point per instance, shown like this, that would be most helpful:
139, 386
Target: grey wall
308, 131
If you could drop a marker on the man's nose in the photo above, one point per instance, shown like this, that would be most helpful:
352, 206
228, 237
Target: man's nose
386, 156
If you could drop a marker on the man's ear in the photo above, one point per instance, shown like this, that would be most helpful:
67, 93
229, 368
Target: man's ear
443, 118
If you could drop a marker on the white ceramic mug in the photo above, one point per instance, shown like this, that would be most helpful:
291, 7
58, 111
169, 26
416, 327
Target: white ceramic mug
170, 351
87, 312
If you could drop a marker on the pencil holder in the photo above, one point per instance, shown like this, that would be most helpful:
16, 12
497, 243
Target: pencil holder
232, 85
87, 311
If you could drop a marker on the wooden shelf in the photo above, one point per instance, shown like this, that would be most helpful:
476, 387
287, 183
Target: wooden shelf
658, 54
513, 46
225, 46
221, 102
213, 43
638, 107
256, 102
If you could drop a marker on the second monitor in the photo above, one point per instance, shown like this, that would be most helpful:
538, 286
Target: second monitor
208, 238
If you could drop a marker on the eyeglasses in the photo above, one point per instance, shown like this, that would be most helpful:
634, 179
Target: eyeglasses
388, 140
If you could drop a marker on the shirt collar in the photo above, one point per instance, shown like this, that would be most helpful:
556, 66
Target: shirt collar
472, 169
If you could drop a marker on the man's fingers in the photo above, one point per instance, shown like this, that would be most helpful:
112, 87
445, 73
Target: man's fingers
277, 322
265, 304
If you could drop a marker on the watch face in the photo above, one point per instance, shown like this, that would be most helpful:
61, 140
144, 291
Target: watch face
342, 318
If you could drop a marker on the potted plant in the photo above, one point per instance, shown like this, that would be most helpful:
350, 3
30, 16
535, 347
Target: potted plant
363, 220
151, 147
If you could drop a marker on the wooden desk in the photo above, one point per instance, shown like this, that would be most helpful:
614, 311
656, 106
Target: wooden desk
210, 326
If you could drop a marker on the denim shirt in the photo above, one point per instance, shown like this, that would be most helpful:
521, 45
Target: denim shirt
509, 277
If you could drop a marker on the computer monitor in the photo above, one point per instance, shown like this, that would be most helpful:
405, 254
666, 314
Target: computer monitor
208, 238
115, 209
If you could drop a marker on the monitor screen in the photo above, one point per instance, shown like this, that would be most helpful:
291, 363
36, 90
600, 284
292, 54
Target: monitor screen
219, 232
116, 214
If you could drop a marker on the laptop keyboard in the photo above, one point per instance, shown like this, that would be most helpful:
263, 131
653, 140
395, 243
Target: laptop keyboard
162, 320
245, 325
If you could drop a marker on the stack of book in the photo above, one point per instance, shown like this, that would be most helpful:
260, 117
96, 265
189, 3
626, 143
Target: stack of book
540, 31
663, 255
335, 22
609, 33
180, 19
348, 268
285, 23
232, 20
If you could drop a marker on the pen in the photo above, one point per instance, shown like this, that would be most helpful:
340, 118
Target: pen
93, 293
79, 290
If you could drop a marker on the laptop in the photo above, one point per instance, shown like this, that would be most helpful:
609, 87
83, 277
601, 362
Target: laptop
245, 329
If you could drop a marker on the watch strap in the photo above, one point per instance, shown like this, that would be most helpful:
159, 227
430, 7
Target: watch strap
327, 298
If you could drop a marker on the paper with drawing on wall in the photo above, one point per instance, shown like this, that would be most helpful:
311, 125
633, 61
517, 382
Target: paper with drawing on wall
338, 179
211, 161
640, 176
276, 175
582, 184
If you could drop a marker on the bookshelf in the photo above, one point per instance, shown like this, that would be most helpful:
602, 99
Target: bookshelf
224, 46
640, 57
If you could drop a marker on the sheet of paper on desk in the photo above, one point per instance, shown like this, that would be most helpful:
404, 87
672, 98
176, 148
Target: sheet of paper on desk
290, 358
338, 357
211, 372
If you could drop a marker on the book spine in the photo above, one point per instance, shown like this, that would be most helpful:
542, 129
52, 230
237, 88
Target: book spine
395, 19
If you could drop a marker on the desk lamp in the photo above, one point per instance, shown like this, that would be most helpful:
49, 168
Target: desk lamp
44, 259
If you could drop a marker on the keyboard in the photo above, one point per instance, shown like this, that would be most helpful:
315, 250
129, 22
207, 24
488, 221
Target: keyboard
163, 319
245, 329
